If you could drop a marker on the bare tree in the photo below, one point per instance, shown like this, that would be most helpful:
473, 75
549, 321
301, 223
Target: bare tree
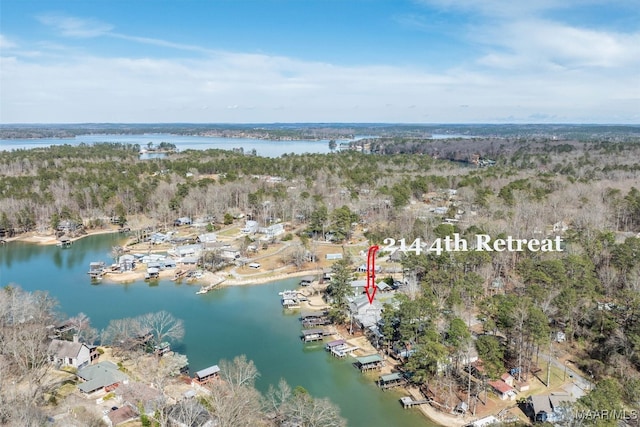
239, 373
162, 325
124, 334
82, 325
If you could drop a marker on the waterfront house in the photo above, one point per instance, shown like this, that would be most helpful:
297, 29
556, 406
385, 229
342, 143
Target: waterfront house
193, 250
68, 353
67, 226
207, 375
104, 376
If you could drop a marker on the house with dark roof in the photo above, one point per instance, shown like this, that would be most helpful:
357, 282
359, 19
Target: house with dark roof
69, 353
103, 376
120, 416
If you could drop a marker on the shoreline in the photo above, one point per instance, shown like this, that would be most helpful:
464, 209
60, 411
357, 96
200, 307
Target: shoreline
51, 239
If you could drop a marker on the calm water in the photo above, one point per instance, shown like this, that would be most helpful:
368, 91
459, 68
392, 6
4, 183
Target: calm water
264, 148
219, 325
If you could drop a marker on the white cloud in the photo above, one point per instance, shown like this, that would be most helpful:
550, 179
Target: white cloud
5, 43
70, 26
284, 89
545, 44
532, 69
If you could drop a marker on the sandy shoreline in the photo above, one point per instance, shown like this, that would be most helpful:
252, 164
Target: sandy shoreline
50, 239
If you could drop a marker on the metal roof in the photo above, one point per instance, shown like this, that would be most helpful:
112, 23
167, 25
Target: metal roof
391, 377
372, 358
208, 371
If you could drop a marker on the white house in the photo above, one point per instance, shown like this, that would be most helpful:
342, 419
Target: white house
273, 230
250, 227
68, 353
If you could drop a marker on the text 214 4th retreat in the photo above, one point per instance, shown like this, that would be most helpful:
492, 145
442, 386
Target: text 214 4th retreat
482, 243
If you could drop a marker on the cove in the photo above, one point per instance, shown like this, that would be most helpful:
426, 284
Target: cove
219, 325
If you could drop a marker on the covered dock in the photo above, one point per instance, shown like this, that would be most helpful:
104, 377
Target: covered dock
309, 335
315, 318
208, 374
306, 280
394, 379
369, 363
408, 402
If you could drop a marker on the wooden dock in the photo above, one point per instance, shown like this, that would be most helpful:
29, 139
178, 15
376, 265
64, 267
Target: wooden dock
409, 402
209, 287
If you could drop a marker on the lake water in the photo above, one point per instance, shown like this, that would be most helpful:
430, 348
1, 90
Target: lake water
266, 148
219, 325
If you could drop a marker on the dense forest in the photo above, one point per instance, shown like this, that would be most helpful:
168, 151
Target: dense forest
587, 190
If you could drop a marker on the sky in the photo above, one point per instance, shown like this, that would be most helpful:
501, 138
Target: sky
292, 61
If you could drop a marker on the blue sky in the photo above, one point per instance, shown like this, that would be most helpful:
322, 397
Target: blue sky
393, 61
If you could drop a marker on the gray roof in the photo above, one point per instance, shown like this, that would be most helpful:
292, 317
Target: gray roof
391, 377
100, 375
208, 371
64, 349
372, 358
541, 403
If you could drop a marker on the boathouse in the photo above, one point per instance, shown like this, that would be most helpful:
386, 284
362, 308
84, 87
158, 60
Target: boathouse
315, 318
290, 299
334, 344
206, 375
306, 280
369, 363
309, 335
64, 242
394, 379
96, 269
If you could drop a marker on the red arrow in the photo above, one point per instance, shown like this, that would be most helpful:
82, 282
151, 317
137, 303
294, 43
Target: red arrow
371, 287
